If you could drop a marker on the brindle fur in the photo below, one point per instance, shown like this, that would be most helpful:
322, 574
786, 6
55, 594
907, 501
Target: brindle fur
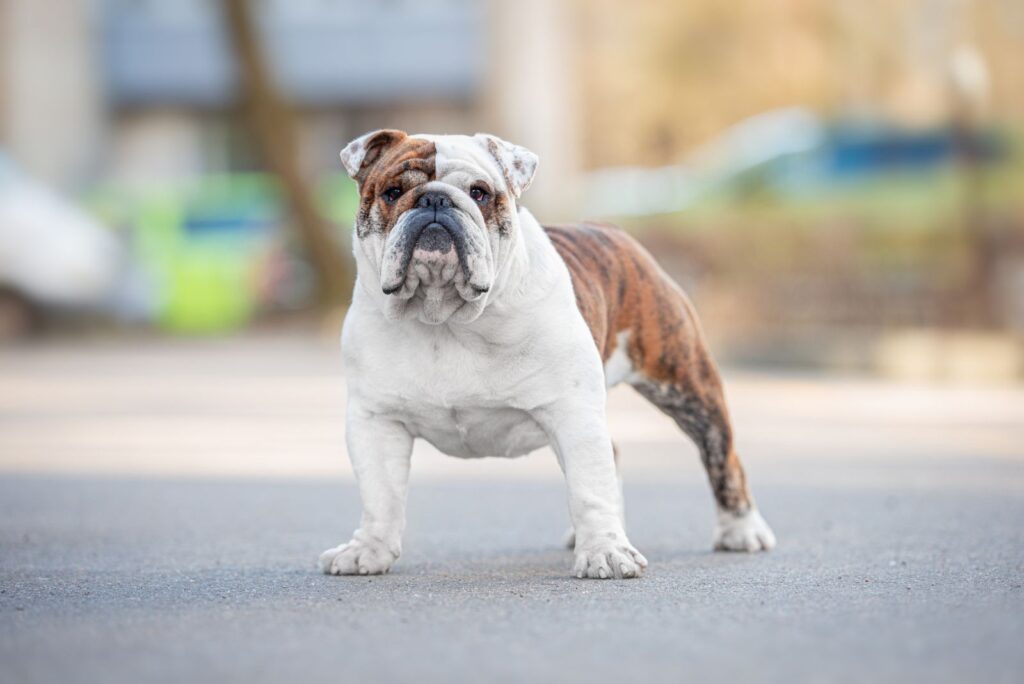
620, 288
392, 159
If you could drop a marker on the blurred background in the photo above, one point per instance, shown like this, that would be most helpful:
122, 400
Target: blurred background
838, 184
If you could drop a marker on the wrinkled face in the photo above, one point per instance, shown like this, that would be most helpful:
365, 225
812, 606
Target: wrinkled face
436, 220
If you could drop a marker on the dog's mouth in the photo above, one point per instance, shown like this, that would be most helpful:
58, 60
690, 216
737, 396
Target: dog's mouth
431, 251
434, 240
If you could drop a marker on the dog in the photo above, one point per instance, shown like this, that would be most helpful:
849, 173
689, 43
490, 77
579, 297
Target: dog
477, 329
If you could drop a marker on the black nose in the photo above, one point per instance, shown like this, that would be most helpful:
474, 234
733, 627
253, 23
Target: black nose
434, 200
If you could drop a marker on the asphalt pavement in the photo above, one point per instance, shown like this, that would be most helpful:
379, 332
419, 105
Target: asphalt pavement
137, 543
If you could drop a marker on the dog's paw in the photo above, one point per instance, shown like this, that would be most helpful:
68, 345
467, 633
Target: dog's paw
746, 532
608, 559
357, 558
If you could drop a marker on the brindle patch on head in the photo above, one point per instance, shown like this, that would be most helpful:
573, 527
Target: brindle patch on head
406, 164
360, 154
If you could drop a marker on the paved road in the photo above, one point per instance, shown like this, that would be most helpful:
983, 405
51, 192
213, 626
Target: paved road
899, 512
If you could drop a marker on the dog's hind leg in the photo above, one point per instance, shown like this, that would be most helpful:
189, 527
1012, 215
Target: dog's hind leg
694, 399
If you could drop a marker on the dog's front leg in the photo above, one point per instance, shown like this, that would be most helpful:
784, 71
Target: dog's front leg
380, 450
584, 449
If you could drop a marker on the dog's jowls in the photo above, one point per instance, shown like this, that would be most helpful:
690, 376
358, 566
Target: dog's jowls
476, 329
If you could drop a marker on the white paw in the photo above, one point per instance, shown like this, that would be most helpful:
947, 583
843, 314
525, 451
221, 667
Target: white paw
357, 558
747, 532
607, 559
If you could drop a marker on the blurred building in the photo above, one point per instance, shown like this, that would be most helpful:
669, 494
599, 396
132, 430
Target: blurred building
835, 165
145, 90
52, 110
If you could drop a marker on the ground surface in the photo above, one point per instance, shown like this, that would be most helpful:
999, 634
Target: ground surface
162, 507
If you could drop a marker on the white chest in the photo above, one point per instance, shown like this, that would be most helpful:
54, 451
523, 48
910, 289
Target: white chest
473, 432
467, 401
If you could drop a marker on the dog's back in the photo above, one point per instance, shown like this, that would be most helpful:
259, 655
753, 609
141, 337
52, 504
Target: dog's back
620, 289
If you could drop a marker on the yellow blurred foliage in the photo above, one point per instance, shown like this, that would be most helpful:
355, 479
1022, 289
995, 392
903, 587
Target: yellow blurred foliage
658, 78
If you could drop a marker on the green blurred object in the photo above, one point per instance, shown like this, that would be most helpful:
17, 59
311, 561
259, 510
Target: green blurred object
209, 290
205, 243
338, 198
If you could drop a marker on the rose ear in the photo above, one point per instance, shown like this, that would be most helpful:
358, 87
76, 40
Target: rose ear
517, 163
360, 154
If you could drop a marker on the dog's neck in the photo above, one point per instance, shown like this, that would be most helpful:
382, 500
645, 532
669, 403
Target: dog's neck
527, 272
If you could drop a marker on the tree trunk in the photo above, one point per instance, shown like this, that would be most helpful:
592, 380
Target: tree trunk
273, 126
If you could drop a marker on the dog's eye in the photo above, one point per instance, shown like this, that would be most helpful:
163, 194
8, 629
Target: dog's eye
391, 195
479, 195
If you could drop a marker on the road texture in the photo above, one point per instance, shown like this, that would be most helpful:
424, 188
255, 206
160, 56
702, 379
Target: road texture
162, 507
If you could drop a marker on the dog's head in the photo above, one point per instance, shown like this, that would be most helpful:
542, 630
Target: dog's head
437, 216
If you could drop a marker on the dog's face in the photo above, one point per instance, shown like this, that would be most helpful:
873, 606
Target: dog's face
437, 216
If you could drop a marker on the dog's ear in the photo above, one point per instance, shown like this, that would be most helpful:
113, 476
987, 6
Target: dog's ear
360, 154
517, 163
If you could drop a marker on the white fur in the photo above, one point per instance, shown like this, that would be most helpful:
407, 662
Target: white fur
517, 372
518, 164
746, 532
353, 154
619, 367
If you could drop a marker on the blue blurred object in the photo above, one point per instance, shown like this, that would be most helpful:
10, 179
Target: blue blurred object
852, 150
789, 152
177, 52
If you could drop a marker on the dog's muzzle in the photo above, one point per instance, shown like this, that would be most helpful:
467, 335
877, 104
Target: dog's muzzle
433, 235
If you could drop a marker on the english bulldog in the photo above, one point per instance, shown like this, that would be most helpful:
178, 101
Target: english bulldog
477, 329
